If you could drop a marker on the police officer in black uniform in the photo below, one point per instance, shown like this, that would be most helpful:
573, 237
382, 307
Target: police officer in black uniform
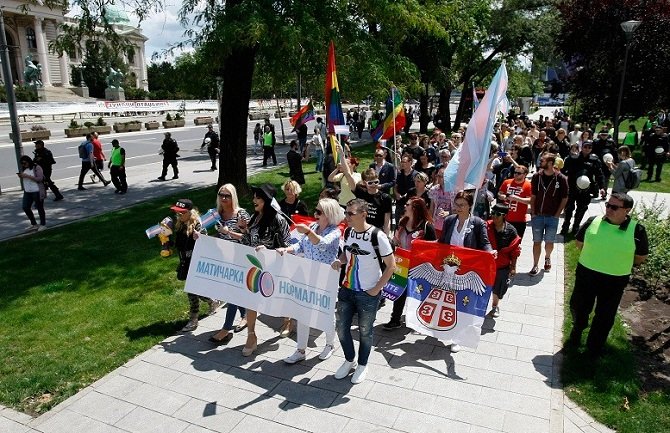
584, 163
655, 152
212, 145
603, 145
45, 159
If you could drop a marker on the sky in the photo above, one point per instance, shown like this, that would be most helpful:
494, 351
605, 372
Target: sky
163, 30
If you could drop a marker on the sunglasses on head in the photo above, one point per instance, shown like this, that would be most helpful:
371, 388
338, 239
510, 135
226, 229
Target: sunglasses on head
225, 196
613, 206
318, 212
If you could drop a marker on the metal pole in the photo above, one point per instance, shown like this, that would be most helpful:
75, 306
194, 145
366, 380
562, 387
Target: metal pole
11, 97
618, 104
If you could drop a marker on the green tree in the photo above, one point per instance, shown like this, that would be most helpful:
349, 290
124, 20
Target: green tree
593, 45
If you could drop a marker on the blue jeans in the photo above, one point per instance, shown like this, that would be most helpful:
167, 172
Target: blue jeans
319, 160
28, 199
230, 316
349, 303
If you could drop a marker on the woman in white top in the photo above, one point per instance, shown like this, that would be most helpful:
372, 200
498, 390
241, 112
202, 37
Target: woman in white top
33, 192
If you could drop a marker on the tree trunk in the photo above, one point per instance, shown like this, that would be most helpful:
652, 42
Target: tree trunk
463, 109
238, 71
444, 110
424, 116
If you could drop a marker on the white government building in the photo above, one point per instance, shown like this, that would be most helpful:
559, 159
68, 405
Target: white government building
30, 32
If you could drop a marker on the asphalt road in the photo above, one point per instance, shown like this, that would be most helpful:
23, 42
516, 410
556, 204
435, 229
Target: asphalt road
141, 151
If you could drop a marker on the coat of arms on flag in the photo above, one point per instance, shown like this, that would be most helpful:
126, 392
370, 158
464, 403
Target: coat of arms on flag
448, 291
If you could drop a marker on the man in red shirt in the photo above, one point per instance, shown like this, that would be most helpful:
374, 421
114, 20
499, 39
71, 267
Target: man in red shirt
99, 165
516, 193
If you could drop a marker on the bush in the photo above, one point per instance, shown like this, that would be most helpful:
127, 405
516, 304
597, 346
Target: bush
168, 117
89, 124
177, 116
100, 122
658, 231
134, 94
38, 128
73, 124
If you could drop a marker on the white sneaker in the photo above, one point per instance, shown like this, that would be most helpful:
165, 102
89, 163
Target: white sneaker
496, 311
41, 228
344, 369
327, 352
296, 357
359, 374
455, 348
32, 228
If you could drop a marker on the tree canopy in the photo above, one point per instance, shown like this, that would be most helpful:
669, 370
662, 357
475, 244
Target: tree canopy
593, 45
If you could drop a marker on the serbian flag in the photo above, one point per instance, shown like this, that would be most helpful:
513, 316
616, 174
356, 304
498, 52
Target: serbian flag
395, 114
303, 116
468, 164
334, 115
448, 291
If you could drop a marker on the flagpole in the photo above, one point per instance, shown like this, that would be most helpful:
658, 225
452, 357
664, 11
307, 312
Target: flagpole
395, 147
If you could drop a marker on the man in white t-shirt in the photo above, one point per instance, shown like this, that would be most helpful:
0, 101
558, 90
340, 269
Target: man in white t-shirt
366, 250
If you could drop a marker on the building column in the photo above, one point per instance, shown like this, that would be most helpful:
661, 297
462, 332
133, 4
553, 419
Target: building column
63, 64
143, 70
42, 51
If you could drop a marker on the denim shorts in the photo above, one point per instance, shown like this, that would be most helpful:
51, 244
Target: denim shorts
544, 228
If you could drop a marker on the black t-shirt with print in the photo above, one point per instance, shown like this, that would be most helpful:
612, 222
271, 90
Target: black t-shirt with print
378, 205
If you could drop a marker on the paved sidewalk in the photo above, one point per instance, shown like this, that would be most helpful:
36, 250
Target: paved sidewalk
184, 384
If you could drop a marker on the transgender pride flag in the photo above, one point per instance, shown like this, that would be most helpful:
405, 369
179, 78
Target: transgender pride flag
468, 164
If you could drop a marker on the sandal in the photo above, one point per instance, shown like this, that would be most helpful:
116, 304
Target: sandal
248, 351
240, 325
547, 264
534, 271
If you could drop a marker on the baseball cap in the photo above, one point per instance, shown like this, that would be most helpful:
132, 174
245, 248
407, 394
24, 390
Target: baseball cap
182, 205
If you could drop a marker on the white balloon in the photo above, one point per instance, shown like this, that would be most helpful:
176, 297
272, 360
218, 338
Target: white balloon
583, 182
209, 140
608, 158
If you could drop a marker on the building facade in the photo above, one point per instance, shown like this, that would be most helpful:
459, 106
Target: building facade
30, 33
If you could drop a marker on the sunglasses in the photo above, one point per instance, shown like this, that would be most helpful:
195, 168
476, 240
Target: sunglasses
498, 214
350, 214
318, 212
225, 196
372, 182
613, 206
379, 156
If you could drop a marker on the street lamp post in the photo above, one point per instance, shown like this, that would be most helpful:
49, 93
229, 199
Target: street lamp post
628, 29
11, 97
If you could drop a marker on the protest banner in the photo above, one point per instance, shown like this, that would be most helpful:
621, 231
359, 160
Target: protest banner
448, 291
264, 281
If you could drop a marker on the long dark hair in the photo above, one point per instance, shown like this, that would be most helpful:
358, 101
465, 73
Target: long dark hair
265, 218
29, 160
420, 213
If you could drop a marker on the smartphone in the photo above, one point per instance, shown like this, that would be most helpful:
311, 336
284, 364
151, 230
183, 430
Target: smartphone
502, 154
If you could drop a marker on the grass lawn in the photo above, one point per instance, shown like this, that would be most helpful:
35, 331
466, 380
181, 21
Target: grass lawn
80, 300
609, 389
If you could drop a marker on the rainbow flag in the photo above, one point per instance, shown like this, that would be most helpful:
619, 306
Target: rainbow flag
395, 113
334, 115
303, 116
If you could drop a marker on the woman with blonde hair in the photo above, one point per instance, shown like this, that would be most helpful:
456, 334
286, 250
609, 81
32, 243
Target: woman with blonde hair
291, 204
320, 242
187, 228
228, 207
